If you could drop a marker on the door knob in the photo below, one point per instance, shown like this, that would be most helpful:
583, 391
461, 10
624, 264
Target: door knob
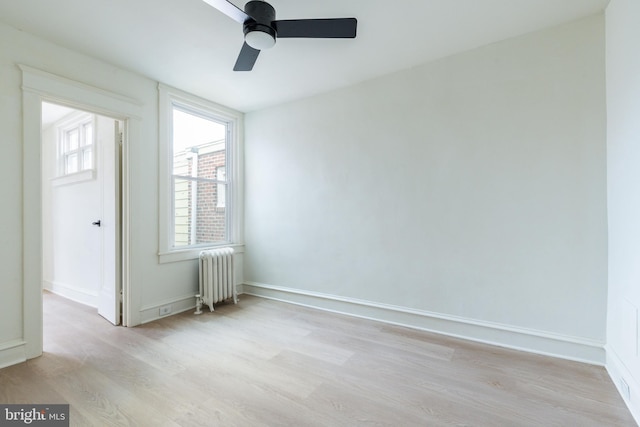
96, 223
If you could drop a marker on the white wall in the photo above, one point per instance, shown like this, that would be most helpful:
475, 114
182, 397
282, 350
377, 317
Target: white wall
157, 284
468, 191
11, 196
623, 174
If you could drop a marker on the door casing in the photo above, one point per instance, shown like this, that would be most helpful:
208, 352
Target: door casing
40, 86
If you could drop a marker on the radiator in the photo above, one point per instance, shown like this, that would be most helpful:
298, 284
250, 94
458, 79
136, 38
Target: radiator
216, 278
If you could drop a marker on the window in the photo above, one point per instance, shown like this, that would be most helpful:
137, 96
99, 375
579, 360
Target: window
76, 146
199, 146
200, 165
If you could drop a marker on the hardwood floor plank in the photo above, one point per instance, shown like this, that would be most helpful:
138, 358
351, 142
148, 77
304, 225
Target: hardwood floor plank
267, 363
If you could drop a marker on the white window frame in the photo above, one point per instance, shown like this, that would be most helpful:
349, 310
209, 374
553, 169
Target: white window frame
221, 189
168, 99
75, 121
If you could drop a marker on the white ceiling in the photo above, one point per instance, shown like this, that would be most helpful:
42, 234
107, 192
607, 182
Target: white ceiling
190, 45
53, 112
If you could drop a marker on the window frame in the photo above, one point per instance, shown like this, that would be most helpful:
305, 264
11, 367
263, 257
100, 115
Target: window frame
75, 121
221, 202
168, 99
66, 152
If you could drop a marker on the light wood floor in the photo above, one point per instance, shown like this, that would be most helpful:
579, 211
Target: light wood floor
265, 363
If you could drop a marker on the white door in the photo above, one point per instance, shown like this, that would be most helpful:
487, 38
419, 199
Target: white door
108, 141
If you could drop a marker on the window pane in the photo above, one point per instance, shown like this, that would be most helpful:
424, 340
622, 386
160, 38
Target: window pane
71, 163
72, 140
211, 220
87, 158
88, 134
197, 219
183, 163
221, 173
182, 205
212, 162
199, 145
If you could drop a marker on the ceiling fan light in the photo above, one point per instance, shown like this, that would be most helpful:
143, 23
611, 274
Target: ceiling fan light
259, 40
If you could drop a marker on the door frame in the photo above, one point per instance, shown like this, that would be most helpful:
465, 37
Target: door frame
37, 87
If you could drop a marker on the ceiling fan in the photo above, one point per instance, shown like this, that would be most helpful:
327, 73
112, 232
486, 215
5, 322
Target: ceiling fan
261, 28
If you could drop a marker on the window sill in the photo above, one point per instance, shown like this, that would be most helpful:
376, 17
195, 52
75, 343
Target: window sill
193, 253
74, 178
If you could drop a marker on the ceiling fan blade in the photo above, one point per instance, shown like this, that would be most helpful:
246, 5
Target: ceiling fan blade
246, 59
333, 28
229, 9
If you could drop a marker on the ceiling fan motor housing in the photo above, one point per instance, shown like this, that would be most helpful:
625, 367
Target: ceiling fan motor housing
263, 15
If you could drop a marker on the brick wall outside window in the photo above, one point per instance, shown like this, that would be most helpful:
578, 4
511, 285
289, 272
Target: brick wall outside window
210, 212
210, 217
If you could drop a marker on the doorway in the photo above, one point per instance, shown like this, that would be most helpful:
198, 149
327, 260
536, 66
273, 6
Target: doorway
81, 207
39, 86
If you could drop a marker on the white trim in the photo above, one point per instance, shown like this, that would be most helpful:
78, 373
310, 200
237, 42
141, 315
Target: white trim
71, 292
132, 295
167, 97
51, 86
150, 313
74, 178
618, 373
12, 353
530, 340
37, 87
32, 215
194, 252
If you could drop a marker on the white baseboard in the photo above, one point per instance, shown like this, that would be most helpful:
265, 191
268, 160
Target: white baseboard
533, 341
12, 353
620, 375
150, 313
71, 292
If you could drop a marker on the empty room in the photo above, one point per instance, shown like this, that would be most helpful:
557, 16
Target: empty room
328, 213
